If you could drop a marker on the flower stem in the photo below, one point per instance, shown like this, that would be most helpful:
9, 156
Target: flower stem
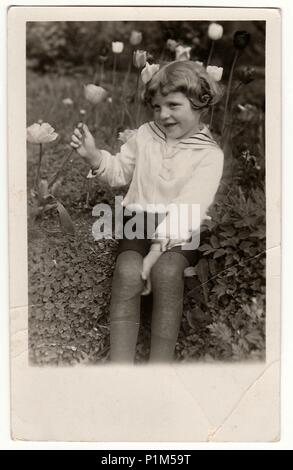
229, 89
212, 116
128, 72
101, 73
211, 52
39, 166
137, 98
59, 172
114, 73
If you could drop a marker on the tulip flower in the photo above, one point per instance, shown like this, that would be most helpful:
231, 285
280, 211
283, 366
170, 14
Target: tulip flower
148, 71
171, 44
139, 59
182, 53
94, 94
117, 47
215, 31
241, 39
135, 38
41, 133
215, 72
67, 101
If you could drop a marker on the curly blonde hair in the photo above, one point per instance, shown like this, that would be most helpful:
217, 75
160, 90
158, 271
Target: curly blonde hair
186, 77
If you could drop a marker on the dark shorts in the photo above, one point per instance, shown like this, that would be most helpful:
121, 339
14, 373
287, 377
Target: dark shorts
142, 246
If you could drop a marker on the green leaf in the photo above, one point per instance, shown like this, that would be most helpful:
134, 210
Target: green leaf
197, 318
219, 253
65, 219
214, 241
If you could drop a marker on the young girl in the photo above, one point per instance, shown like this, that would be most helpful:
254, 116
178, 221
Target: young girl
170, 161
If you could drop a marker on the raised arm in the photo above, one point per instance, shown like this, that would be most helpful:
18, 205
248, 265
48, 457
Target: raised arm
116, 170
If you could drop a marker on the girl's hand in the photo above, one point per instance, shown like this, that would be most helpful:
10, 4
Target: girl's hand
148, 262
83, 141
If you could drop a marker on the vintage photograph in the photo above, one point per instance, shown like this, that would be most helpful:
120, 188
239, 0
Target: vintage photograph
144, 160
146, 197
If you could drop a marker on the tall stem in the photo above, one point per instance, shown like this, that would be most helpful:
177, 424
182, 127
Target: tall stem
229, 89
114, 72
137, 98
39, 166
211, 52
101, 73
128, 71
59, 172
212, 116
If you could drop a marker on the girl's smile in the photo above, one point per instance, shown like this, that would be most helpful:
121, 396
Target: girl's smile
175, 116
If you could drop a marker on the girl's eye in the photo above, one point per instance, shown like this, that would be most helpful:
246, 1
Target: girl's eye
156, 108
174, 105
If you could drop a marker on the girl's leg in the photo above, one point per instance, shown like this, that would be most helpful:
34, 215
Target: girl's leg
168, 286
125, 306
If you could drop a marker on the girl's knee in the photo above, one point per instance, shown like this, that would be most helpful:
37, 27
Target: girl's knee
128, 268
169, 268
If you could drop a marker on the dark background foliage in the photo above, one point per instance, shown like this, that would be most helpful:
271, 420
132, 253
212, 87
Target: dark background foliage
70, 277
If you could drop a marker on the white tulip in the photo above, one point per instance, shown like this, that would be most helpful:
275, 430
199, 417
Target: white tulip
215, 72
148, 71
215, 31
117, 47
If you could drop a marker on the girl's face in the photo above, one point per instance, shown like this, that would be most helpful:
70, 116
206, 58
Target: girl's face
175, 116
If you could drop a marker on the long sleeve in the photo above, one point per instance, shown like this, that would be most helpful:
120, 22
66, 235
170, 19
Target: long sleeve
193, 200
117, 170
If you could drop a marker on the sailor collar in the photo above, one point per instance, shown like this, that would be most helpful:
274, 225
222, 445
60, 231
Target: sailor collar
201, 139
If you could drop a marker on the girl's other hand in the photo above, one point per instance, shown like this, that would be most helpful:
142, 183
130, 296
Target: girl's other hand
83, 142
148, 262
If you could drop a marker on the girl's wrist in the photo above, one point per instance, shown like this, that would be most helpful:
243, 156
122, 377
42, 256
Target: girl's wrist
95, 159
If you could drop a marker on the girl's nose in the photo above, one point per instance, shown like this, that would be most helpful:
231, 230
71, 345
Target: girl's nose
164, 114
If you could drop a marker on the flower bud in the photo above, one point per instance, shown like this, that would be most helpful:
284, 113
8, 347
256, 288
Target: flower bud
117, 47
182, 53
139, 59
41, 133
94, 94
241, 39
215, 72
148, 71
215, 31
135, 38
171, 44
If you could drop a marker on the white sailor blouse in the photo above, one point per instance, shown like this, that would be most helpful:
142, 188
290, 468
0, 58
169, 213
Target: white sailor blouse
187, 171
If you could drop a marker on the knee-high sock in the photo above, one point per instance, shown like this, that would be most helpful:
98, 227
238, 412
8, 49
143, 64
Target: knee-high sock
168, 288
125, 306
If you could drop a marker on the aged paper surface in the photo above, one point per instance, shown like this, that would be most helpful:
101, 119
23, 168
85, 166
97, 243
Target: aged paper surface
187, 403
